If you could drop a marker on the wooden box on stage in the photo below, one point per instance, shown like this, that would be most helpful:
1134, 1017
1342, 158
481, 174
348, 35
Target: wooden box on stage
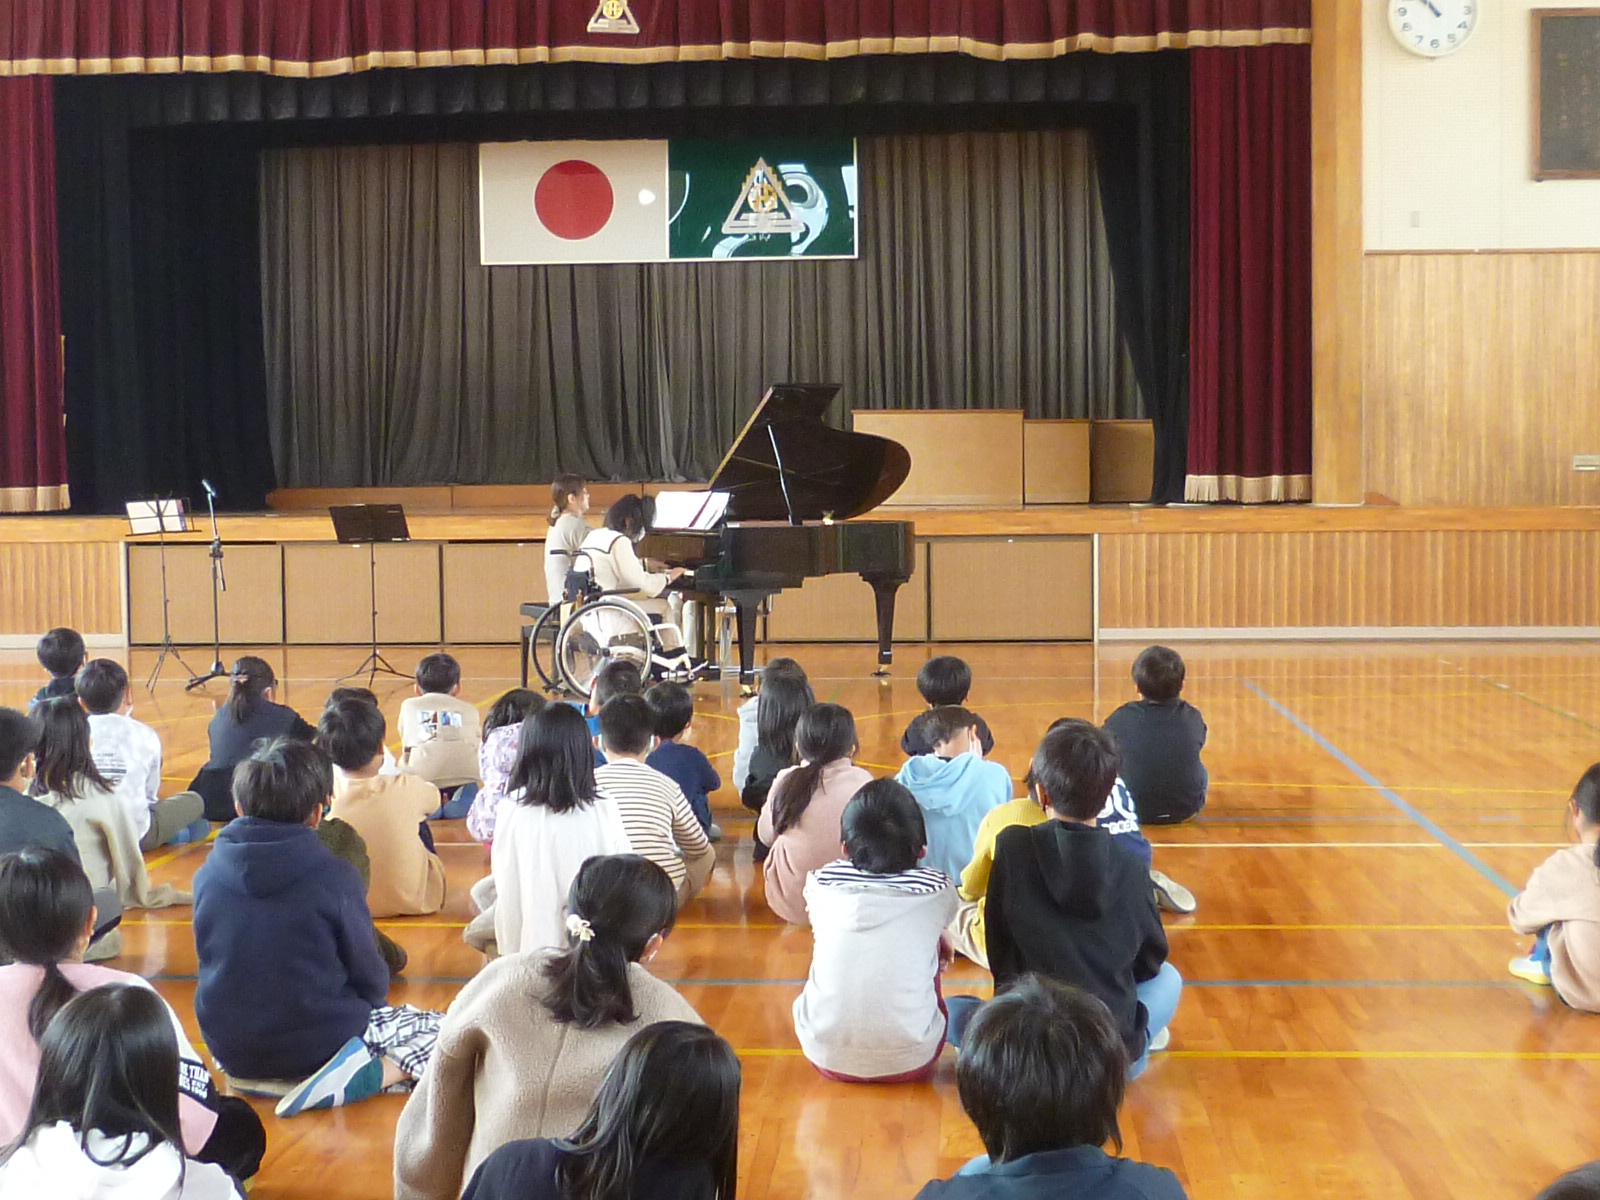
959, 458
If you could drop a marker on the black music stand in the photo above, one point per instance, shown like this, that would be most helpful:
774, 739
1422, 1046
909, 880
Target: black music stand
369, 524
161, 516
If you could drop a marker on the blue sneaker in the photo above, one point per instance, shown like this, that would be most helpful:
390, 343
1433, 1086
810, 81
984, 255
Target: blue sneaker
351, 1075
198, 832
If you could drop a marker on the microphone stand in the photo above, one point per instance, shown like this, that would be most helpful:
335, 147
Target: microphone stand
219, 584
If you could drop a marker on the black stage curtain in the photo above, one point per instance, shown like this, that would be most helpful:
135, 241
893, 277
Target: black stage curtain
156, 400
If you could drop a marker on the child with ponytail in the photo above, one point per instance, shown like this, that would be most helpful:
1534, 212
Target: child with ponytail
46, 915
1561, 904
569, 500
525, 1045
800, 820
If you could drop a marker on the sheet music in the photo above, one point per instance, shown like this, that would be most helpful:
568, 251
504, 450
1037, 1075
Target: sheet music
157, 516
700, 511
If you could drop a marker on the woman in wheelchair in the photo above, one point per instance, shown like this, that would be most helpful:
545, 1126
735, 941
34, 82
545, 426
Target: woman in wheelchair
621, 583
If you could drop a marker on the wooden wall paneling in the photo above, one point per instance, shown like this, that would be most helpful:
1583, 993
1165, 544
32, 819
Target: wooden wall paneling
1379, 579
1122, 461
959, 458
250, 612
1011, 589
1055, 462
327, 594
1483, 377
841, 608
484, 585
1338, 239
78, 584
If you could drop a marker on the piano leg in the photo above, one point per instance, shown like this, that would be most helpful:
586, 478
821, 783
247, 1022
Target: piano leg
747, 605
884, 591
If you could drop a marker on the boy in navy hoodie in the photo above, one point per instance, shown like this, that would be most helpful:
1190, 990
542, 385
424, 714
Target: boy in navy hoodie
954, 786
292, 983
1068, 901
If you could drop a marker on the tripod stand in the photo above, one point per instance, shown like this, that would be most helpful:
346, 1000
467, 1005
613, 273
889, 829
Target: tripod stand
353, 525
161, 517
219, 584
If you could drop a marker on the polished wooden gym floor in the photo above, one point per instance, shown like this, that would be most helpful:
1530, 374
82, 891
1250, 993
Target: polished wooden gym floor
1348, 1030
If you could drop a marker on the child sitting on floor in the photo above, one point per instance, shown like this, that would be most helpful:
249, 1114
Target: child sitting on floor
1561, 904
390, 812
497, 757
61, 652
440, 735
391, 764
956, 789
686, 765
944, 681
870, 1011
1160, 736
292, 985
1041, 1074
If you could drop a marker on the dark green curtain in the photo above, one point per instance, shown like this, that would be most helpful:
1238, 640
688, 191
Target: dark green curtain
394, 358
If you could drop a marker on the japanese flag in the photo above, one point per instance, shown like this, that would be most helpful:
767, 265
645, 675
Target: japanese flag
573, 202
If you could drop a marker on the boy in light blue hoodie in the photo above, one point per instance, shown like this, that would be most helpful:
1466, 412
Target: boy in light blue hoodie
955, 787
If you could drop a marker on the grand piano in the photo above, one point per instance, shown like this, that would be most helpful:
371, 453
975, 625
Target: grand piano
794, 484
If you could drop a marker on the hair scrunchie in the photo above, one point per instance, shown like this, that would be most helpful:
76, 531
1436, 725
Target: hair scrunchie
579, 928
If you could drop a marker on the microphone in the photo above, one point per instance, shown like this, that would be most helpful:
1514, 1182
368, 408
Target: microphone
210, 491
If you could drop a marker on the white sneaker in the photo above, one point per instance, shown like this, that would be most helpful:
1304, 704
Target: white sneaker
1530, 970
1170, 894
1161, 1041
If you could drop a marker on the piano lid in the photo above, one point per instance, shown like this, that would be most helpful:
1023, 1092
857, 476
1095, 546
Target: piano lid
829, 472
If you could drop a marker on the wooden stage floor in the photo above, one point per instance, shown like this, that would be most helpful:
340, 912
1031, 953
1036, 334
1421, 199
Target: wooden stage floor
1348, 1031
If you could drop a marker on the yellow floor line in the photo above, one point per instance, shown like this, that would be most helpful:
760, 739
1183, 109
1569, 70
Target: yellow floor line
1398, 1055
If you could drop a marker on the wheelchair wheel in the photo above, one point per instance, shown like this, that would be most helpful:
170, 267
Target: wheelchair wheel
598, 633
542, 649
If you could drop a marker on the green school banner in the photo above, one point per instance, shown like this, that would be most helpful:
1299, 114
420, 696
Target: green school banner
762, 198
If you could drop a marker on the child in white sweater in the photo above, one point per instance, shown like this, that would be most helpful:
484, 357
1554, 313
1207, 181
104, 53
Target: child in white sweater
870, 1011
1561, 904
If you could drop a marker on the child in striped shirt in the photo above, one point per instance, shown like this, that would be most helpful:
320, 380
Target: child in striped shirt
871, 1011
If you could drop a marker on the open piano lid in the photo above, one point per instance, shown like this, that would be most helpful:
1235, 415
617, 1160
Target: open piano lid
830, 473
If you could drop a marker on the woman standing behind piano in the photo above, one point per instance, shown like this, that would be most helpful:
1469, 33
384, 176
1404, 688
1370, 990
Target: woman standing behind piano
569, 500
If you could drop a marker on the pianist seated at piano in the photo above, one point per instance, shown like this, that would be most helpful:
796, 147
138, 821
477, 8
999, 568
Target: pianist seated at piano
616, 566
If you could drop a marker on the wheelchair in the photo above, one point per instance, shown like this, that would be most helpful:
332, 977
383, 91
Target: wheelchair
571, 643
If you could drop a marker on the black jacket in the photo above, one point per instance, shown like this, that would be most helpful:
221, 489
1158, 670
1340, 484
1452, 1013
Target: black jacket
915, 739
1160, 743
1069, 902
1077, 1173
26, 822
527, 1171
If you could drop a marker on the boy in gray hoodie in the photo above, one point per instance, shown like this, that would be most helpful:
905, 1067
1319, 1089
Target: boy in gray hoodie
871, 1011
954, 787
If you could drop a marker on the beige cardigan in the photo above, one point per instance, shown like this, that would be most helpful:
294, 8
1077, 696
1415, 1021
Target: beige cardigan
1564, 894
103, 829
504, 1069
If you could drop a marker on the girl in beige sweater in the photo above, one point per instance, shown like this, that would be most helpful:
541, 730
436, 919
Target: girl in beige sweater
1561, 904
525, 1045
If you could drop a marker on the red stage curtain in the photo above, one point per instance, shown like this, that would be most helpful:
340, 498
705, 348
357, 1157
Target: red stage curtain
33, 452
336, 37
1250, 284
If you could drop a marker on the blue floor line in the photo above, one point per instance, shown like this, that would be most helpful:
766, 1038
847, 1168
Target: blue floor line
1422, 821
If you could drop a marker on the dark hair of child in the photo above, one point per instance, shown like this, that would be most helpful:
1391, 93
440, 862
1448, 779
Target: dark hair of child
825, 734
1075, 767
1042, 1067
1158, 674
786, 696
283, 781
108, 1063
562, 489
883, 829
631, 515
102, 684
622, 900
19, 737
65, 765
513, 708
249, 680
673, 705
350, 693
351, 731
45, 903
672, 1092
1583, 1183
61, 651
438, 673
616, 678
627, 725
943, 723
944, 679
555, 760
1586, 798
